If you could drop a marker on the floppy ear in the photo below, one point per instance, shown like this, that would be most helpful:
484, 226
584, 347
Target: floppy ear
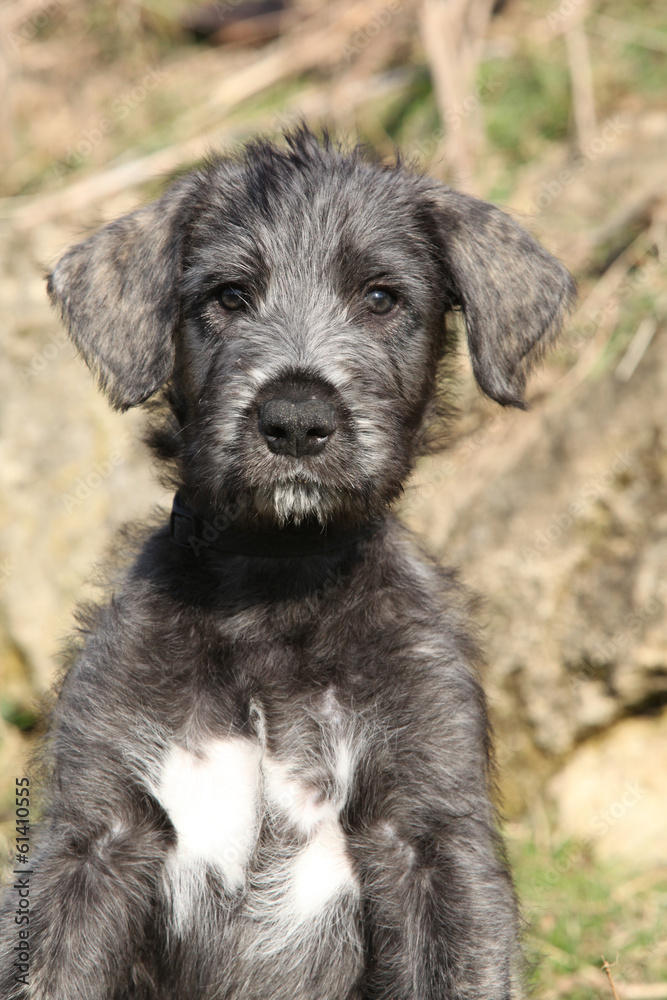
119, 295
514, 294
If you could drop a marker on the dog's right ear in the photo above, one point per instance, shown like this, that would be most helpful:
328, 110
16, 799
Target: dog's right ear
119, 295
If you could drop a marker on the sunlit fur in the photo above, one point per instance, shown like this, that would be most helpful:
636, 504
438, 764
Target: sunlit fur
270, 777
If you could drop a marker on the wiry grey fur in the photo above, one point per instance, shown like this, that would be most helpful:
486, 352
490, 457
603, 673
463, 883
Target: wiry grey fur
346, 679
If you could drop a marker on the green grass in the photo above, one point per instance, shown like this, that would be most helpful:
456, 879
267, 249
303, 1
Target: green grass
579, 909
527, 102
18, 714
413, 115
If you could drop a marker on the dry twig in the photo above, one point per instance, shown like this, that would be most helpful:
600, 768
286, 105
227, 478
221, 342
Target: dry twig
636, 349
607, 969
452, 34
581, 75
317, 42
26, 213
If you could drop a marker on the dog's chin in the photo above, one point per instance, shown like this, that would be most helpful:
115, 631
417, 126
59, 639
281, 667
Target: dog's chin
280, 502
295, 502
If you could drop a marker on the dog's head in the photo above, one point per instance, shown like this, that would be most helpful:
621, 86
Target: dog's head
292, 303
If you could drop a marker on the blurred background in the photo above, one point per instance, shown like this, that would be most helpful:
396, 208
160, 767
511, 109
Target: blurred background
556, 110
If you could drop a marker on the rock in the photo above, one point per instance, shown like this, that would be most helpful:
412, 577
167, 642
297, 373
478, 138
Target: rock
557, 517
612, 792
71, 472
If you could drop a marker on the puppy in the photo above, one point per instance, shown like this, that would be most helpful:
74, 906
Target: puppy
270, 757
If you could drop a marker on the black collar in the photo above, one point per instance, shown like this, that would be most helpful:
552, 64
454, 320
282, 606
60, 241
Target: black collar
196, 533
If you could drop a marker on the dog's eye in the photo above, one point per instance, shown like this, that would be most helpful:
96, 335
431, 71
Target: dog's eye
231, 297
379, 301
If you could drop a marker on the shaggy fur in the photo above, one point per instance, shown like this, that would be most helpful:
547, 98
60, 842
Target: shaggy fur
271, 771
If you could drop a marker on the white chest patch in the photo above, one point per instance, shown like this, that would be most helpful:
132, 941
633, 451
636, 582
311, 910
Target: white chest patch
212, 800
322, 870
217, 800
321, 873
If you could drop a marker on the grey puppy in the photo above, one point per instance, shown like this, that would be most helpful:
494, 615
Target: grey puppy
270, 759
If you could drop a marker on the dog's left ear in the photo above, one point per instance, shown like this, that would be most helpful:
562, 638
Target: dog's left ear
514, 294
119, 295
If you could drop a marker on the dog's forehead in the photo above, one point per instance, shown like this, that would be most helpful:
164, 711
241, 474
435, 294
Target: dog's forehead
314, 213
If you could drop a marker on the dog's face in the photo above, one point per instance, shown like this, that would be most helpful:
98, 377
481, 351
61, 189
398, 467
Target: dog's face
293, 301
312, 318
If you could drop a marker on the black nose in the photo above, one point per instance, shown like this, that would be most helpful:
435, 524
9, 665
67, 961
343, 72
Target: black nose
297, 427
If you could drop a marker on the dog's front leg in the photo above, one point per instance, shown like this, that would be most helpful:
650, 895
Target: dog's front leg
91, 896
440, 912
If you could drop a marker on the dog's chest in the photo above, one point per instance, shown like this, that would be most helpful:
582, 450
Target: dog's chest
263, 814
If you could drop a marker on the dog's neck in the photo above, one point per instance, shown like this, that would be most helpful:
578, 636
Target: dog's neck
192, 531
